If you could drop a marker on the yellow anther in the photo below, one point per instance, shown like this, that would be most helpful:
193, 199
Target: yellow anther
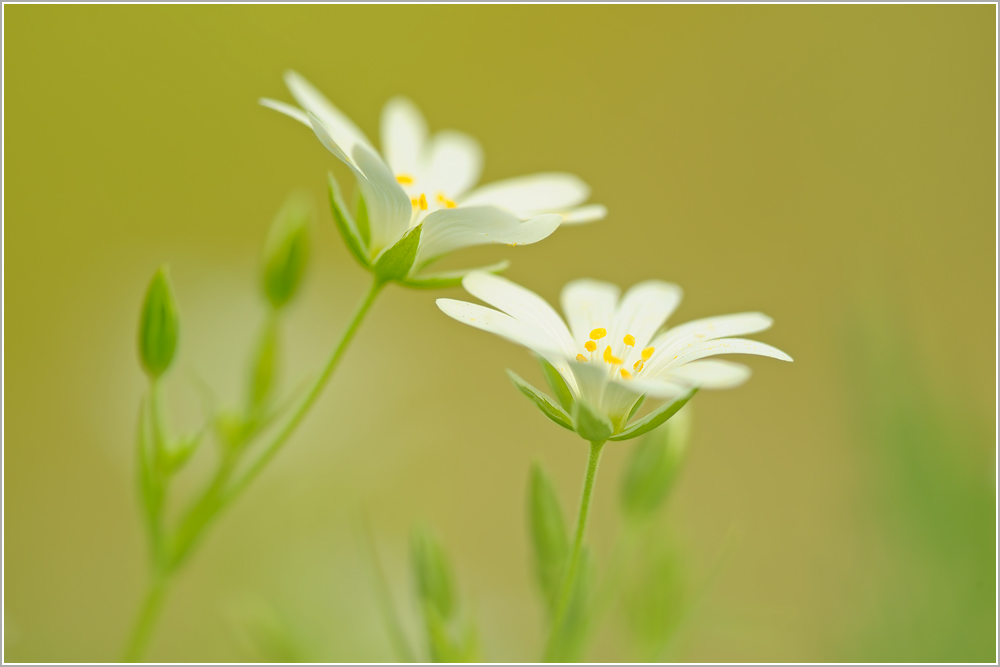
449, 203
423, 202
598, 334
415, 201
403, 179
637, 366
610, 358
590, 346
629, 340
626, 375
648, 352
580, 357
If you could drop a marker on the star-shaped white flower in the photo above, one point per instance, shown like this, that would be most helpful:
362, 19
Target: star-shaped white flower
427, 181
611, 355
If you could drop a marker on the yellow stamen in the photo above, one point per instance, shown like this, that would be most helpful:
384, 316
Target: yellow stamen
626, 375
415, 201
580, 357
449, 203
629, 340
637, 366
648, 352
423, 202
598, 334
403, 179
610, 358
590, 346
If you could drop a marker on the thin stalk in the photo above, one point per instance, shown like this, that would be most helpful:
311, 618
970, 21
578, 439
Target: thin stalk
317, 388
569, 580
149, 613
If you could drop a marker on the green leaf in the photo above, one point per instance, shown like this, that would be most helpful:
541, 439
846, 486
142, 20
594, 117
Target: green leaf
655, 418
286, 251
433, 574
395, 262
557, 384
548, 535
352, 237
159, 325
654, 465
569, 639
448, 278
544, 403
590, 424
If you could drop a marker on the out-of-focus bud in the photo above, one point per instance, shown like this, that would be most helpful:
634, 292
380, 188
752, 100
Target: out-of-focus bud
286, 251
158, 326
434, 580
652, 470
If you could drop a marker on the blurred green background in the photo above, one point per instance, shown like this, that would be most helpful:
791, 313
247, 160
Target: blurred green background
832, 166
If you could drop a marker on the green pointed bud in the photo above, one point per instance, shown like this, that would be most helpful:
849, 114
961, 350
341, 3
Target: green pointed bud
286, 251
548, 534
590, 424
158, 326
653, 468
433, 573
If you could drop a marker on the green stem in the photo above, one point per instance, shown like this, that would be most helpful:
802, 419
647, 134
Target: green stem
317, 388
146, 620
569, 581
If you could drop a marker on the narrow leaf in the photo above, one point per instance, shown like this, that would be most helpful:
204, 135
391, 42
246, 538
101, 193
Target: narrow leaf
655, 418
548, 535
544, 403
557, 384
352, 237
444, 279
286, 251
433, 574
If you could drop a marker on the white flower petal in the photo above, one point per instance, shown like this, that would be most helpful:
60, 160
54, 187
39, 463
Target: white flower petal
588, 305
522, 304
453, 164
710, 374
644, 309
404, 135
388, 206
533, 194
582, 214
739, 324
711, 348
448, 229
343, 131
502, 325
287, 109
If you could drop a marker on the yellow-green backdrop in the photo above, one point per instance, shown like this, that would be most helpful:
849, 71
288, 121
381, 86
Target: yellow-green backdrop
832, 166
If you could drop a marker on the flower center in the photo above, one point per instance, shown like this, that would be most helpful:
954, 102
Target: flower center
419, 199
608, 356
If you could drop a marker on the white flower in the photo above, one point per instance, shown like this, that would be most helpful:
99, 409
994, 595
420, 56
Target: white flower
429, 179
611, 353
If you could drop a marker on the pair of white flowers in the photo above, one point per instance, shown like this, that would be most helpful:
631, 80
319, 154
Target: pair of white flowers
419, 202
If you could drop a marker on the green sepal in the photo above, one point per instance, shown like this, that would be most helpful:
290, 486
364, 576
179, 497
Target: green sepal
433, 574
352, 237
159, 325
286, 251
557, 384
180, 452
635, 408
548, 407
394, 263
590, 424
655, 418
449, 278
361, 221
548, 535
652, 469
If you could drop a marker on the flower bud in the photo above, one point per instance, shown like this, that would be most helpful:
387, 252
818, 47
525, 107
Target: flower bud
652, 470
158, 326
286, 251
434, 581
